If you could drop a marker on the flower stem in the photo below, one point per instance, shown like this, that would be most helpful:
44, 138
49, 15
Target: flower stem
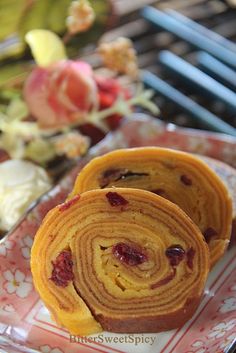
124, 107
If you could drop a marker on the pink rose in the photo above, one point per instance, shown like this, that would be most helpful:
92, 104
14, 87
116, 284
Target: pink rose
62, 93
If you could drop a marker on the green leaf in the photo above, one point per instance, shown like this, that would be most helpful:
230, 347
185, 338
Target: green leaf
36, 17
14, 73
11, 12
40, 151
13, 144
17, 110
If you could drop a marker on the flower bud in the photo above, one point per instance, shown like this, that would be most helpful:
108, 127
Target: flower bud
61, 94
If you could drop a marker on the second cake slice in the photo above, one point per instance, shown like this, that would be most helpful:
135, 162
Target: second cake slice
177, 176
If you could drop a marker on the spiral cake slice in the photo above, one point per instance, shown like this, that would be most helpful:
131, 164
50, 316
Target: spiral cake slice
119, 259
228, 175
177, 176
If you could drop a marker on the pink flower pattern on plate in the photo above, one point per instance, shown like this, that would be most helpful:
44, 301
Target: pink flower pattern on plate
233, 288
9, 308
27, 244
228, 305
17, 283
221, 329
227, 341
198, 347
6, 246
48, 349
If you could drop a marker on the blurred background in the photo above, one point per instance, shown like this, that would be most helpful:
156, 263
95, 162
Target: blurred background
124, 18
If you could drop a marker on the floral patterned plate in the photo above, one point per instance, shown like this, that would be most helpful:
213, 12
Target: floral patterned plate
25, 324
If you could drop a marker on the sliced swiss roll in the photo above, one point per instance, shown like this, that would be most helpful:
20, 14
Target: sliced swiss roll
121, 260
177, 176
228, 176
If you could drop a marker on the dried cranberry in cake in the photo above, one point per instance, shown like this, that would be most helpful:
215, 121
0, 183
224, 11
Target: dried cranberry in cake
112, 175
128, 254
186, 180
66, 205
175, 254
62, 272
116, 199
190, 257
109, 176
209, 233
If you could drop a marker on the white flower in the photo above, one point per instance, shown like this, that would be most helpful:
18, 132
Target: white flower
27, 244
199, 144
120, 56
228, 154
81, 16
233, 288
200, 347
220, 329
72, 144
4, 247
18, 283
228, 305
148, 131
9, 308
34, 216
48, 349
227, 341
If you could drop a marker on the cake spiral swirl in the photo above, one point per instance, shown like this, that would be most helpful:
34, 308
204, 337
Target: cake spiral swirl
121, 260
